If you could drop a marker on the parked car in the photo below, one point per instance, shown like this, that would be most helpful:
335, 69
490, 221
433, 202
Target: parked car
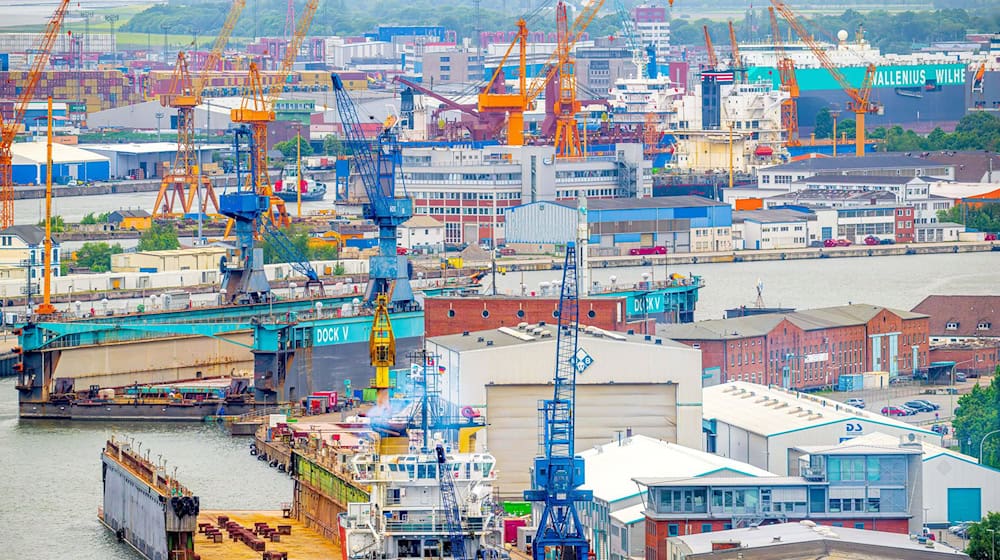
956, 528
918, 406
507, 251
960, 377
887, 241
855, 402
830, 243
817, 243
893, 411
990, 237
872, 240
843, 243
657, 250
933, 406
940, 429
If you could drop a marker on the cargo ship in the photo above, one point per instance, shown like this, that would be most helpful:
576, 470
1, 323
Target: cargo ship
920, 91
145, 507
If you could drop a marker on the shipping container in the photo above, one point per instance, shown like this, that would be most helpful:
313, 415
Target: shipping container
851, 382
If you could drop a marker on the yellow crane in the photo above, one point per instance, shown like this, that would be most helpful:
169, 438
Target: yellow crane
786, 73
560, 63
382, 349
180, 185
860, 103
257, 111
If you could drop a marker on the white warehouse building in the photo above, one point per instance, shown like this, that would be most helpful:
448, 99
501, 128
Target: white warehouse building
758, 424
650, 384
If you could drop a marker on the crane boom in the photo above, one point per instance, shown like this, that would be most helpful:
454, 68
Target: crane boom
860, 103
628, 29
573, 35
11, 127
215, 55
713, 59
789, 83
735, 49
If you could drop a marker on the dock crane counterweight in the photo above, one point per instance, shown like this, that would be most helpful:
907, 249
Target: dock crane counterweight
558, 472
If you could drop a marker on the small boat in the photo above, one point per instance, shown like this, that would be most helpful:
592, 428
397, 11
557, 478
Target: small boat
311, 189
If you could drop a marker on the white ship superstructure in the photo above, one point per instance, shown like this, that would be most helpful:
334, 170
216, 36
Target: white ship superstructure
407, 515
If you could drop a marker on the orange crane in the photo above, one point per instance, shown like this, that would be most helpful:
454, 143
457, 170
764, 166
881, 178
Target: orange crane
257, 110
860, 103
10, 128
734, 48
181, 184
560, 62
786, 73
713, 60
979, 101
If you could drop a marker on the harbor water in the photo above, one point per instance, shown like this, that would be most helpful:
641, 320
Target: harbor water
51, 486
894, 281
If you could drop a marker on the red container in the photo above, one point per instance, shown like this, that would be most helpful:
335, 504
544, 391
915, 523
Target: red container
510, 529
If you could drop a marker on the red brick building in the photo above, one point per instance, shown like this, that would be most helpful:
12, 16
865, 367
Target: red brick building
808, 349
457, 314
957, 319
972, 359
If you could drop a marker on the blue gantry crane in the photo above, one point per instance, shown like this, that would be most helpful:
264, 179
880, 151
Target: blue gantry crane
244, 280
558, 472
376, 161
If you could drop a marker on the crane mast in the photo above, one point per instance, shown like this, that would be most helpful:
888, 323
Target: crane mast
181, 184
558, 472
860, 97
257, 111
9, 129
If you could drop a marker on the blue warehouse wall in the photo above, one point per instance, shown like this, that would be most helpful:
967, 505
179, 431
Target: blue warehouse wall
28, 174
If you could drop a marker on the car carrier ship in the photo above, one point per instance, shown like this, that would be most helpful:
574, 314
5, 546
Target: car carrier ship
919, 91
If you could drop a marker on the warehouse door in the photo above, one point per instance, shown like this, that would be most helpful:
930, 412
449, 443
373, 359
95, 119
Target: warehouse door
964, 504
646, 239
602, 410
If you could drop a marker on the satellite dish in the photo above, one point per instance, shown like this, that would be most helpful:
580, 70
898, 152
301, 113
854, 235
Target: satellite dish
842, 35
911, 436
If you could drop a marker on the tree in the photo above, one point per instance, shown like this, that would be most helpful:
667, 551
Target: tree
982, 540
92, 219
159, 237
847, 128
97, 255
975, 417
58, 224
824, 123
333, 146
985, 217
287, 148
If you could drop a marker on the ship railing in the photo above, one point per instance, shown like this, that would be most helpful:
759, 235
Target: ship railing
430, 527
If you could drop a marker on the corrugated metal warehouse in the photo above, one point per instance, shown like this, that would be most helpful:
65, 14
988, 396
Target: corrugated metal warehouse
682, 224
68, 162
759, 424
651, 385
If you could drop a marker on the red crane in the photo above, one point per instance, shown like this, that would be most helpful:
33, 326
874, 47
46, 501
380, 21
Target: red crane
786, 73
10, 128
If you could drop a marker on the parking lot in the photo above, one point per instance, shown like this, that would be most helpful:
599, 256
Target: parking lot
897, 394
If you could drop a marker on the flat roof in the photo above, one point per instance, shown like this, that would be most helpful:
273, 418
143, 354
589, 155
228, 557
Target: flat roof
805, 531
772, 480
630, 515
772, 216
858, 179
612, 467
771, 411
148, 147
686, 201
539, 333
887, 161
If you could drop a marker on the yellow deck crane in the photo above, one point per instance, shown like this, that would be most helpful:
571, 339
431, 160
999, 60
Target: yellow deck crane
257, 111
860, 103
786, 73
181, 184
382, 348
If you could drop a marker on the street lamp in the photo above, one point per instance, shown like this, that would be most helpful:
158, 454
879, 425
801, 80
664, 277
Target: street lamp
993, 550
159, 115
112, 19
982, 441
